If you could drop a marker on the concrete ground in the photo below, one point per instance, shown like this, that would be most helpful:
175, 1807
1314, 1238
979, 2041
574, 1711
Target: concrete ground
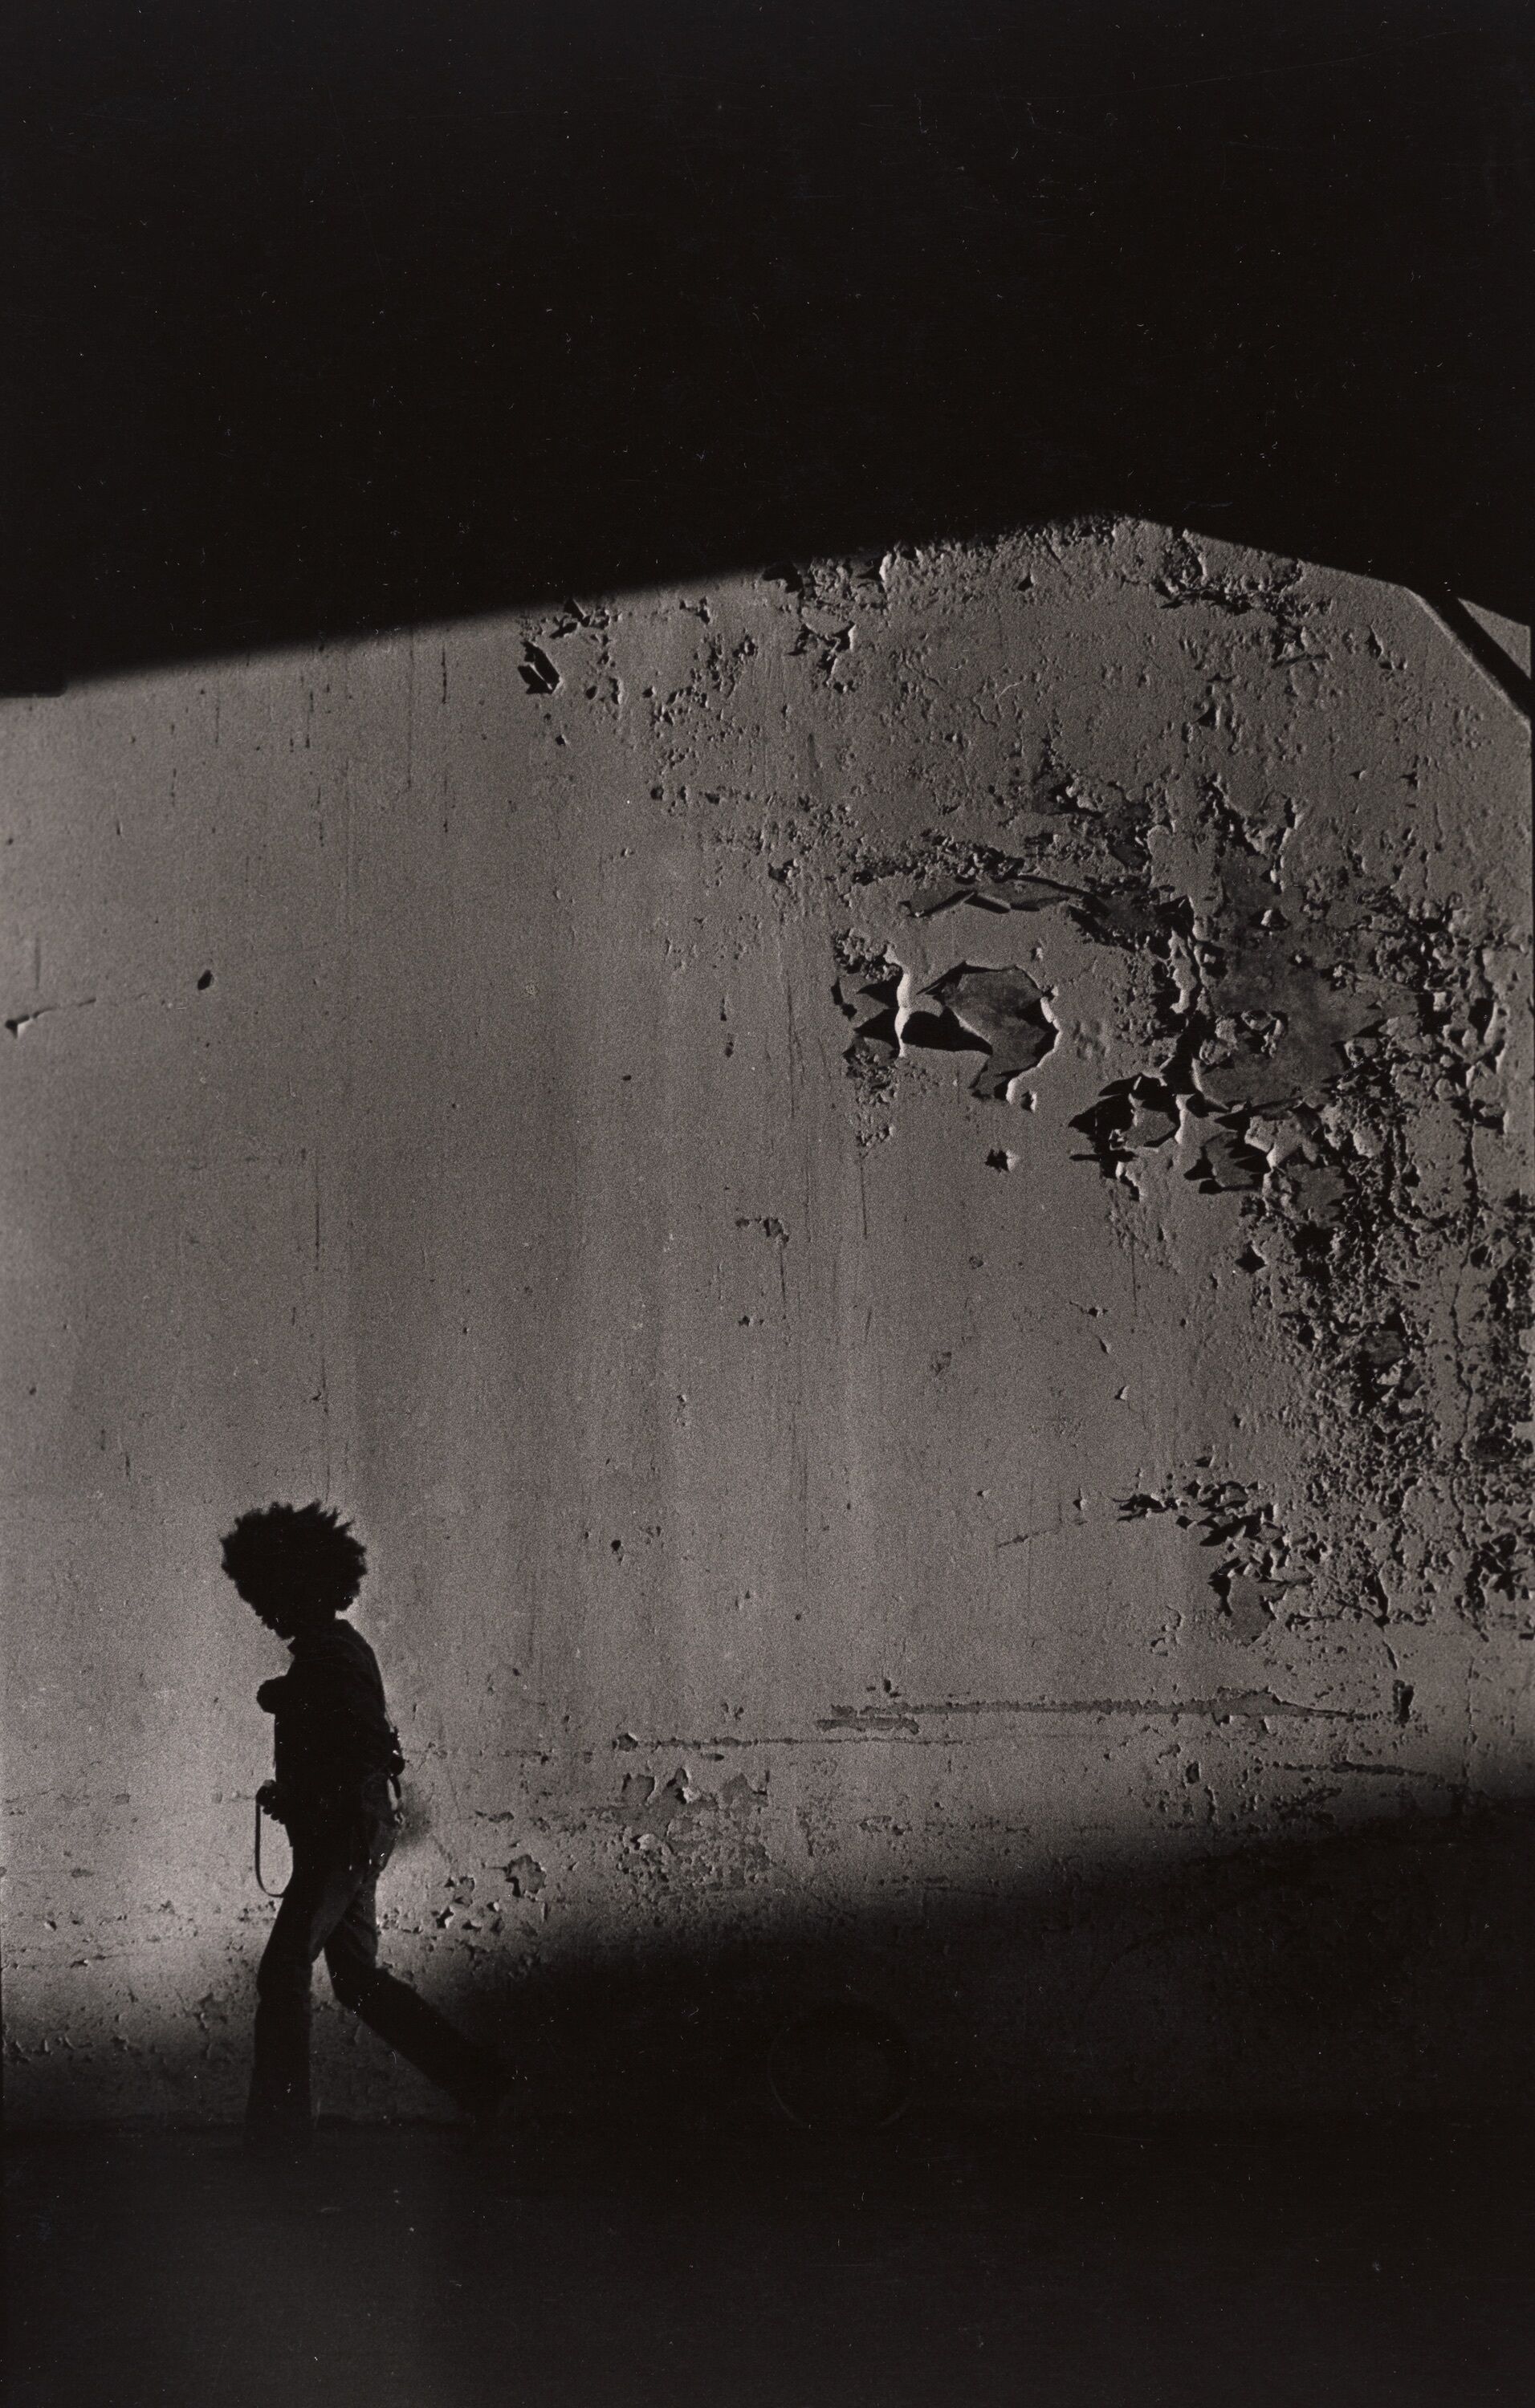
1111, 2265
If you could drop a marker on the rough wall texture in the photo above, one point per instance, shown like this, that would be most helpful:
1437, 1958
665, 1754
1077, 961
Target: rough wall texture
898, 1197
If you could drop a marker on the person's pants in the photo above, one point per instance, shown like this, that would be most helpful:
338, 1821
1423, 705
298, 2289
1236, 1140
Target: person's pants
329, 1904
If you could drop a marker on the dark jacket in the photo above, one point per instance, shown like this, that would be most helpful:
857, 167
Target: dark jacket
335, 1748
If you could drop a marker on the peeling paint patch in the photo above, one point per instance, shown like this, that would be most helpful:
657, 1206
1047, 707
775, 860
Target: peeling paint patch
537, 671
1000, 1011
1260, 1565
877, 1721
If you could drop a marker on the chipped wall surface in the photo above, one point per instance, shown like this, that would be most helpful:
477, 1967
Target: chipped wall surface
898, 1195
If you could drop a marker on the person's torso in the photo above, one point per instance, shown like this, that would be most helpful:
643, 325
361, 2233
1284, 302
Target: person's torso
333, 1739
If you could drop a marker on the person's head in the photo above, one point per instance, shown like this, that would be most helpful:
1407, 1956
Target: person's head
295, 1565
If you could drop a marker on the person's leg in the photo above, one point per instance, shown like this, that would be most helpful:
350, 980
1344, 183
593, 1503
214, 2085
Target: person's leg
470, 2074
325, 1878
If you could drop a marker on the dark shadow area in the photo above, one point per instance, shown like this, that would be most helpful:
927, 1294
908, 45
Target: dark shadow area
327, 319
1389, 1967
1120, 2264
652, 2229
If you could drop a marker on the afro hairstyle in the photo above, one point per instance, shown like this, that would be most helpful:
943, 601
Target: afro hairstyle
304, 1551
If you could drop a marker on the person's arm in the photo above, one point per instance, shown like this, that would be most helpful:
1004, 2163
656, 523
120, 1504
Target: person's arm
271, 1697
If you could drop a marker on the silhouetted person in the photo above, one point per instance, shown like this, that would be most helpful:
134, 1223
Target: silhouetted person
336, 1760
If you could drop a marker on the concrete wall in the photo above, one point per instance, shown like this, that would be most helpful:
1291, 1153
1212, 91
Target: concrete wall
897, 1195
